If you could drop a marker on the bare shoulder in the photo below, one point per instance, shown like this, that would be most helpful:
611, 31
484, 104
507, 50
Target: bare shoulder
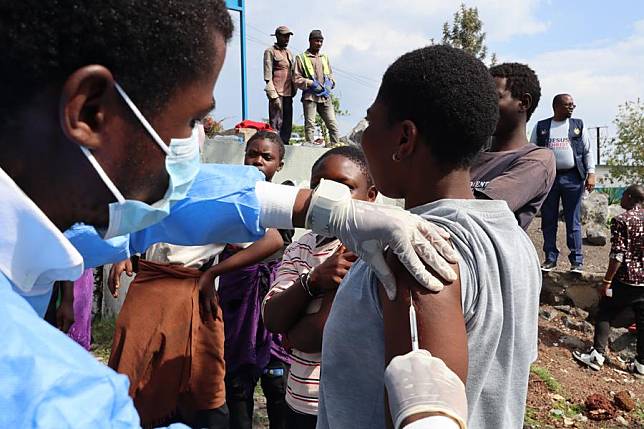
441, 325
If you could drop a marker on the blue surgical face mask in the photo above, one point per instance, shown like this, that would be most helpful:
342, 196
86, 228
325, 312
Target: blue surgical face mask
182, 165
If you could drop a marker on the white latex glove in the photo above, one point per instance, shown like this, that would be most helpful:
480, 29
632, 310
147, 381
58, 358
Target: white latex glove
368, 229
419, 383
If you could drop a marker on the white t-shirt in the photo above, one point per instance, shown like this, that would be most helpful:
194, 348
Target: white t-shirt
188, 256
559, 143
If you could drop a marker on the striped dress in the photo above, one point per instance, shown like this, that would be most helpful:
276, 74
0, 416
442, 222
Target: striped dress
304, 377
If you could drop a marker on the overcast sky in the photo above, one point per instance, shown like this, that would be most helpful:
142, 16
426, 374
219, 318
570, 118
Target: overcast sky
593, 49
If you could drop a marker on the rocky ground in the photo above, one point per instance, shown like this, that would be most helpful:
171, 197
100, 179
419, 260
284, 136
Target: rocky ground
561, 392
559, 387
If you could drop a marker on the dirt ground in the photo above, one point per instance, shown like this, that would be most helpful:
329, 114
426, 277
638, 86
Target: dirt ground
559, 386
595, 257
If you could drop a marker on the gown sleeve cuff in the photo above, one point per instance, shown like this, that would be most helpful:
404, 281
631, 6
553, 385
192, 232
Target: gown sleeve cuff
276, 204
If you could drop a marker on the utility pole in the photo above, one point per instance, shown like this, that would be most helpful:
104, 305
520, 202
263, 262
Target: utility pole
598, 135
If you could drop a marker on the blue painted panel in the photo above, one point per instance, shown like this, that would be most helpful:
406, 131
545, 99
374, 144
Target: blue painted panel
235, 4
239, 6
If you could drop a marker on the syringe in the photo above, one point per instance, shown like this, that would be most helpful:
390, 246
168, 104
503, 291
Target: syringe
413, 326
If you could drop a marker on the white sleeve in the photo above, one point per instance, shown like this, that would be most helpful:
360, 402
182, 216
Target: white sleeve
276, 204
433, 422
533, 136
589, 158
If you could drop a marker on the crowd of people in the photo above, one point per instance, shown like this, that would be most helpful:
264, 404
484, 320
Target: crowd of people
422, 317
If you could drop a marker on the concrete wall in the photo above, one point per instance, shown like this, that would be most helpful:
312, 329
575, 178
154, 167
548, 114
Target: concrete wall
298, 160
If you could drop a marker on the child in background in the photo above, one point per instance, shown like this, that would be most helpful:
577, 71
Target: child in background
305, 285
252, 353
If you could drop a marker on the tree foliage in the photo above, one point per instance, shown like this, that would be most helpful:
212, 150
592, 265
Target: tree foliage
626, 158
466, 32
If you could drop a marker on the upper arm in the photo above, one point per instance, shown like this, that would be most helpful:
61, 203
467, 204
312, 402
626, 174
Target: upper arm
618, 231
268, 61
586, 139
298, 69
256, 252
441, 325
298, 66
287, 273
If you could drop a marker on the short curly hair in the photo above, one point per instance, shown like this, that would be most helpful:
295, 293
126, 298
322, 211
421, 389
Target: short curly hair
353, 154
520, 79
449, 95
271, 136
636, 192
151, 46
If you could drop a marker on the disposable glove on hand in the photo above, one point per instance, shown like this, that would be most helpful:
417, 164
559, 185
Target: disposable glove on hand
315, 86
367, 229
328, 84
419, 383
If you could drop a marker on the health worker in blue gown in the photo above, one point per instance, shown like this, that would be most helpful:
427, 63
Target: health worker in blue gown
100, 107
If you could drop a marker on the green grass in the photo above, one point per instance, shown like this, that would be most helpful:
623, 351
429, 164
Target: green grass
531, 418
639, 411
569, 410
551, 383
102, 334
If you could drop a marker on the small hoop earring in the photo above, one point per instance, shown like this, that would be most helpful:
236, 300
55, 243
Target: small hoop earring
395, 157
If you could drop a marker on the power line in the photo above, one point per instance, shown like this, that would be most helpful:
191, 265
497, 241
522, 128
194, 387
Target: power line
355, 80
353, 77
367, 79
259, 30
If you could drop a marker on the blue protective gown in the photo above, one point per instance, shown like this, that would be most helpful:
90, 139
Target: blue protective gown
46, 379
221, 207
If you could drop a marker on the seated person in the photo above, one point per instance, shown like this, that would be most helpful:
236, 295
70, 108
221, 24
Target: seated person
434, 113
301, 296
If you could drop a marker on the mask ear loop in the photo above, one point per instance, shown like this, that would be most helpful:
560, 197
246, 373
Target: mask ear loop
103, 175
142, 119
413, 325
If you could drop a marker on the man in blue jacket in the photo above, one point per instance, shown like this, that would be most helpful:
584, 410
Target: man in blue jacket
569, 141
